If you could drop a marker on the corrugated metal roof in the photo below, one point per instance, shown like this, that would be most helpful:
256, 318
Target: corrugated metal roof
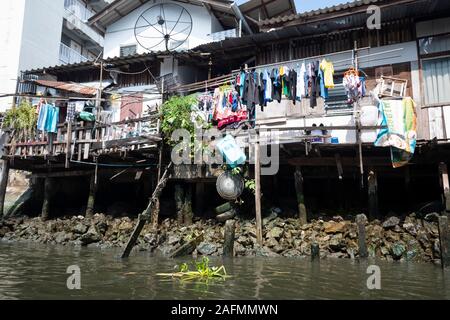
267, 9
350, 18
117, 61
333, 9
67, 86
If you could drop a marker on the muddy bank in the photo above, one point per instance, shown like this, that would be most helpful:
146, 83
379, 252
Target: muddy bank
404, 239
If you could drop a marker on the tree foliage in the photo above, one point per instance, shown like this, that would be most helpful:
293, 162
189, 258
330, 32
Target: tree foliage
23, 117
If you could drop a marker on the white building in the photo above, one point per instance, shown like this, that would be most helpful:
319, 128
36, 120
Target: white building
44, 33
143, 26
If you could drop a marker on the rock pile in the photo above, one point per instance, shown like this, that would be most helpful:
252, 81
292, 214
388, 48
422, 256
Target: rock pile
406, 239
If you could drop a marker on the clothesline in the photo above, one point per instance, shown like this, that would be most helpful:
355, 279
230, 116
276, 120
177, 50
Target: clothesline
301, 60
219, 81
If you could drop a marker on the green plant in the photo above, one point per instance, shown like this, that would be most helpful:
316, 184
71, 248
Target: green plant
177, 114
250, 185
23, 117
203, 271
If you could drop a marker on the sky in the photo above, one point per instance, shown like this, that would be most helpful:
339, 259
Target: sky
308, 5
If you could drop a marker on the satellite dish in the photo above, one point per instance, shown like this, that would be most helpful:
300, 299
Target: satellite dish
163, 27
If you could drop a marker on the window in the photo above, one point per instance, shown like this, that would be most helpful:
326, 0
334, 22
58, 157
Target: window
128, 50
436, 75
432, 45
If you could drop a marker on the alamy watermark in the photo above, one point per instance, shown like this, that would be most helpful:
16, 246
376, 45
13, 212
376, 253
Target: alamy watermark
202, 148
74, 280
374, 20
374, 280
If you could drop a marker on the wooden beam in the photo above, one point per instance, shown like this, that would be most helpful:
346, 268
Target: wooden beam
259, 235
124, 142
346, 161
62, 174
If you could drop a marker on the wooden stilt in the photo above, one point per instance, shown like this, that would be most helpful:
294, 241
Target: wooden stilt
91, 197
47, 195
145, 216
408, 182
179, 195
445, 187
157, 205
3, 185
259, 236
228, 244
315, 251
361, 220
155, 214
444, 238
188, 214
303, 216
199, 196
68, 144
372, 190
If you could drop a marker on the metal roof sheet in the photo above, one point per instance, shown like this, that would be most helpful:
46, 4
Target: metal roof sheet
67, 86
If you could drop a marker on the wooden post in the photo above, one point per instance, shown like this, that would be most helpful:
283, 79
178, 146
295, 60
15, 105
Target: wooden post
228, 244
315, 251
361, 220
444, 238
47, 194
445, 187
372, 193
144, 216
91, 197
157, 206
3, 185
199, 196
187, 207
259, 236
303, 216
179, 203
155, 214
68, 144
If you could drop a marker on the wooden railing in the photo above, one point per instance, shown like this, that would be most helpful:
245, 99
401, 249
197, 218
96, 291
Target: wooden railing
80, 140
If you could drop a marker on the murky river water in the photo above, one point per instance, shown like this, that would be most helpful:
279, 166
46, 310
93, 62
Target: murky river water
29, 271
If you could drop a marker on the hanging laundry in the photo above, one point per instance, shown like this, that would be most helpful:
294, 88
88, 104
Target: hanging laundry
352, 84
399, 116
293, 85
301, 85
71, 112
267, 86
328, 71
286, 81
42, 117
48, 118
314, 83
277, 85
323, 88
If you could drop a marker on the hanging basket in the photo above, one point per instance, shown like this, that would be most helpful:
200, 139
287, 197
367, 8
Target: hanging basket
230, 186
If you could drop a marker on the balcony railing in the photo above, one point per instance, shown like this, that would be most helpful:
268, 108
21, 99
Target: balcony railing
68, 56
78, 9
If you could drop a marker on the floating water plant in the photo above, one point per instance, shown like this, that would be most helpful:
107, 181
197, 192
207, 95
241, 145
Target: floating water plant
203, 272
